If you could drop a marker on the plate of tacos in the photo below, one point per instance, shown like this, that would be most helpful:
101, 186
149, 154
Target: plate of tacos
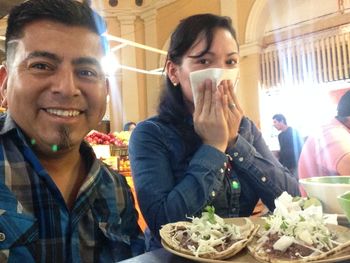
293, 233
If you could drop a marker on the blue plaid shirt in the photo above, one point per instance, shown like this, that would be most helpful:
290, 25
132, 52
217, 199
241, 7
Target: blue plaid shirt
35, 224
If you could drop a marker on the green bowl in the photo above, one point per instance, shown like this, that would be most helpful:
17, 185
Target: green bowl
326, 189
344, 201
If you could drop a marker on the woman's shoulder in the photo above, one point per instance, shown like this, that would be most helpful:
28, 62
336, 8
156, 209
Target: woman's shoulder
153, 127
153, 122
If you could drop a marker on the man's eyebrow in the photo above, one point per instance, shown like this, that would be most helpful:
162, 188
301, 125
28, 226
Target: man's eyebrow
86, 60
44, 54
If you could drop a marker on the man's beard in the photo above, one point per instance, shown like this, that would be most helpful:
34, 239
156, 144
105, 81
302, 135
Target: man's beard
65, 140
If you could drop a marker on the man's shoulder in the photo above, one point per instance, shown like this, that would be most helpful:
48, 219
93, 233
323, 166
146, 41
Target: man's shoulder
111, 174
2, 120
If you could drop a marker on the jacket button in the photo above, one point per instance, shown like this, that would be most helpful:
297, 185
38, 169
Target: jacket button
2, 237
263, 179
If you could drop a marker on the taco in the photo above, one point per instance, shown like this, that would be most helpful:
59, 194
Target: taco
208, 236
296, 233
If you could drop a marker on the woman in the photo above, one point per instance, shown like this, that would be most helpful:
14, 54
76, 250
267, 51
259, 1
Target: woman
192, 155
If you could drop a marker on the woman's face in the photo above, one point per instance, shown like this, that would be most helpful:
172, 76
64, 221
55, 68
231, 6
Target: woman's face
223, 53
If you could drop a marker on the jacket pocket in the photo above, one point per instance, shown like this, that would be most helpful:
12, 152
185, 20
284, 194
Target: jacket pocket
16, 229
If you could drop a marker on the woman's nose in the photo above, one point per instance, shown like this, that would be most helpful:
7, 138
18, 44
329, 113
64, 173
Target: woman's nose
221, 64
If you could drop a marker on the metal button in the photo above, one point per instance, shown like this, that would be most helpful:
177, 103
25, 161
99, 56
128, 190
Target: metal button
235, 154
263, 179
228, 169
225, 164
213, 194
221, 170
2, 236
241, 159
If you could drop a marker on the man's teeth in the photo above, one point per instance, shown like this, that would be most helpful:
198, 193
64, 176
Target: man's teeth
64, 113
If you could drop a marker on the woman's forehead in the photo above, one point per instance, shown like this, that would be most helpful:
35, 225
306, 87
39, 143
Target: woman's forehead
221, 37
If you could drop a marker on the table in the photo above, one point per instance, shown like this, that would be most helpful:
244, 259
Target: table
157, 256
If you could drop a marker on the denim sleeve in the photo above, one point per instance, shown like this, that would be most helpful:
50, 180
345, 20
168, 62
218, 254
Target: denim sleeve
252, 157
167, 194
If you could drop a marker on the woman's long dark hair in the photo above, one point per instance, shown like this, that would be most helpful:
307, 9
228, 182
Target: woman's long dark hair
172, 108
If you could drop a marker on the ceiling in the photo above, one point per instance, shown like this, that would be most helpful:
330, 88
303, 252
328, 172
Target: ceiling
6, 5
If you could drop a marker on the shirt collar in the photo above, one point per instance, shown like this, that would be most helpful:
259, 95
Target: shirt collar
8, 123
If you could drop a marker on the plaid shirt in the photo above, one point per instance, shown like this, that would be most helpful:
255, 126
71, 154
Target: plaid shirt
35, 224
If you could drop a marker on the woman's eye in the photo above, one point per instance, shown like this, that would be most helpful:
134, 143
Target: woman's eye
203, 61
232, 62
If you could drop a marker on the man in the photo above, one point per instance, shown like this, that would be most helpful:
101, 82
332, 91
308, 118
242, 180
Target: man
58, 203
327, 152
290, 143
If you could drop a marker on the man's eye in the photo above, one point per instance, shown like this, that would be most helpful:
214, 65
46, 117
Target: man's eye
87, 73
41, 66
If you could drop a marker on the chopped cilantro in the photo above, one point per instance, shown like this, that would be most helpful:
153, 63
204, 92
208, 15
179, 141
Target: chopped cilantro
267, 226
284, 225
211, 212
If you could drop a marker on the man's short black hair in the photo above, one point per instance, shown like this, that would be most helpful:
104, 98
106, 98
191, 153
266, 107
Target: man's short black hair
280, 118
68, 12
344, 105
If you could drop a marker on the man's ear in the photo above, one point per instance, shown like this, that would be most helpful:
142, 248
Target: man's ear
172, 70
3, 86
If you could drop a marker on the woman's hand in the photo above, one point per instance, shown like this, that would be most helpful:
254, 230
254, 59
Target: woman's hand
233, 112
209, 116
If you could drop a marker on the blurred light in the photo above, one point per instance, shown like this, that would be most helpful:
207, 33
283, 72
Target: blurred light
110, 64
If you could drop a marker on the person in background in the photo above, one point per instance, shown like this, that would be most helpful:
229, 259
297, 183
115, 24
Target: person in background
58, 203
327, 152
290, 143
193, 155
129, 126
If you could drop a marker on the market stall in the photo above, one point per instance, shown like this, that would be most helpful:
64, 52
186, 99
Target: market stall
112, 149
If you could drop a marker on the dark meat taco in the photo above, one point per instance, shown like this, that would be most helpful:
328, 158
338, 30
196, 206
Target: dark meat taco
208, 236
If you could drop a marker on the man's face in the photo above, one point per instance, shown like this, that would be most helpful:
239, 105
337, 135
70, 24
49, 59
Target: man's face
54, 86
277, 124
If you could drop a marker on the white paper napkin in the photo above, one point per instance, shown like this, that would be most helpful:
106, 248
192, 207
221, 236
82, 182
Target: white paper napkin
216, 75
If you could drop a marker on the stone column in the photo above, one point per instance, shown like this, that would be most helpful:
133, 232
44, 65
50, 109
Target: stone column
129, 85
151, 59
249, 88
115, 106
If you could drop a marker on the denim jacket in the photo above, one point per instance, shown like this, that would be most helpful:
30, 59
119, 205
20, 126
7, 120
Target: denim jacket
172, 186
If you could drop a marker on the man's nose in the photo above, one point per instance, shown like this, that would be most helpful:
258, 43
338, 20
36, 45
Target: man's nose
66, 83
